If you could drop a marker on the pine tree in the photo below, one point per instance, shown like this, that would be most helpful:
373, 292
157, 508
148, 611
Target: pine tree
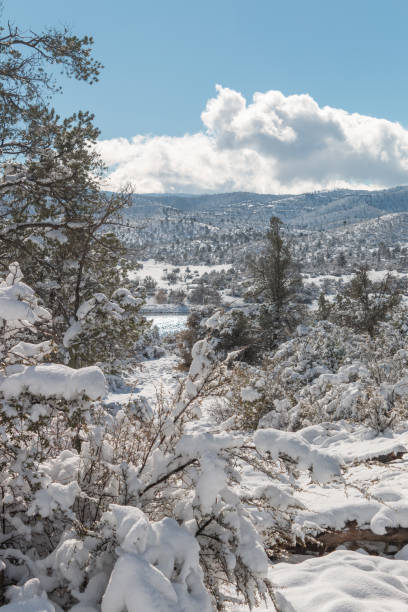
364, 303
278, 281
54, 219
324, 307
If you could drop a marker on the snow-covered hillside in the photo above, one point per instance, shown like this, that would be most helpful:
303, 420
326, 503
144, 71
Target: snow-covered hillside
224, 228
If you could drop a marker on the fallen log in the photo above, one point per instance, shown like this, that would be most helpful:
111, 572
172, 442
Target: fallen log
393, 456
352, 534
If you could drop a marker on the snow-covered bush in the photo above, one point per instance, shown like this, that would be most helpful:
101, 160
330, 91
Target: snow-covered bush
234, 330
195, 330
105, 329
149, 345
21, 318
273, 386
249, 396
326, 372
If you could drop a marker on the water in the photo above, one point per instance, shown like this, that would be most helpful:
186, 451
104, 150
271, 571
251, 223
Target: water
169, 323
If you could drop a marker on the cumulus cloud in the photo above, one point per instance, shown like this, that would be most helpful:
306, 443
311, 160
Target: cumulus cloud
274, 144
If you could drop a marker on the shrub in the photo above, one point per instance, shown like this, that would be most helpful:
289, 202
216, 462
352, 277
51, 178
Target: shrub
105, 330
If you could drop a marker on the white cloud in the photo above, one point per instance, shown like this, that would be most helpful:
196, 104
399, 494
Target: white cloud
275, 144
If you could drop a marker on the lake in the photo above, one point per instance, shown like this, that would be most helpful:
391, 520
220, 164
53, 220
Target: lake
169, 323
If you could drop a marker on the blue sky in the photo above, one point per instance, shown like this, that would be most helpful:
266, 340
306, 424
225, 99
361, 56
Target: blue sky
163, 58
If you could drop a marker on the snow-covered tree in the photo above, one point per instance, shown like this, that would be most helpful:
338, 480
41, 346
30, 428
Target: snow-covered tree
54, 219
364, 302
105, 329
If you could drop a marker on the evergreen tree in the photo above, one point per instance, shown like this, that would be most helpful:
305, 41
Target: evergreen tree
364, 303
278, 281
54, 219
324, 308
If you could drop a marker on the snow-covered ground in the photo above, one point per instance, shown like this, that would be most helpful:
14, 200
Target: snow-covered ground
374, 275
150, 379
158, 269
342, 581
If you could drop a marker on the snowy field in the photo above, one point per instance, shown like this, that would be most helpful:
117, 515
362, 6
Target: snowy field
158, 269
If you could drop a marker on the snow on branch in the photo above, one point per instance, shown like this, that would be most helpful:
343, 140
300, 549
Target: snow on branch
324, 467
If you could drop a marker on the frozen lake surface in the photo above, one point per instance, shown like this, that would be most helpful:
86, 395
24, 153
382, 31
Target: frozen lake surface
169, 323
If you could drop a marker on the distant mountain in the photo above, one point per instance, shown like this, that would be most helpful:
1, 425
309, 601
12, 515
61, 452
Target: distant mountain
320, 210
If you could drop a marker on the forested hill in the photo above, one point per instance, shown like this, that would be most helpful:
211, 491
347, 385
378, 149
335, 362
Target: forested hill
317, 210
